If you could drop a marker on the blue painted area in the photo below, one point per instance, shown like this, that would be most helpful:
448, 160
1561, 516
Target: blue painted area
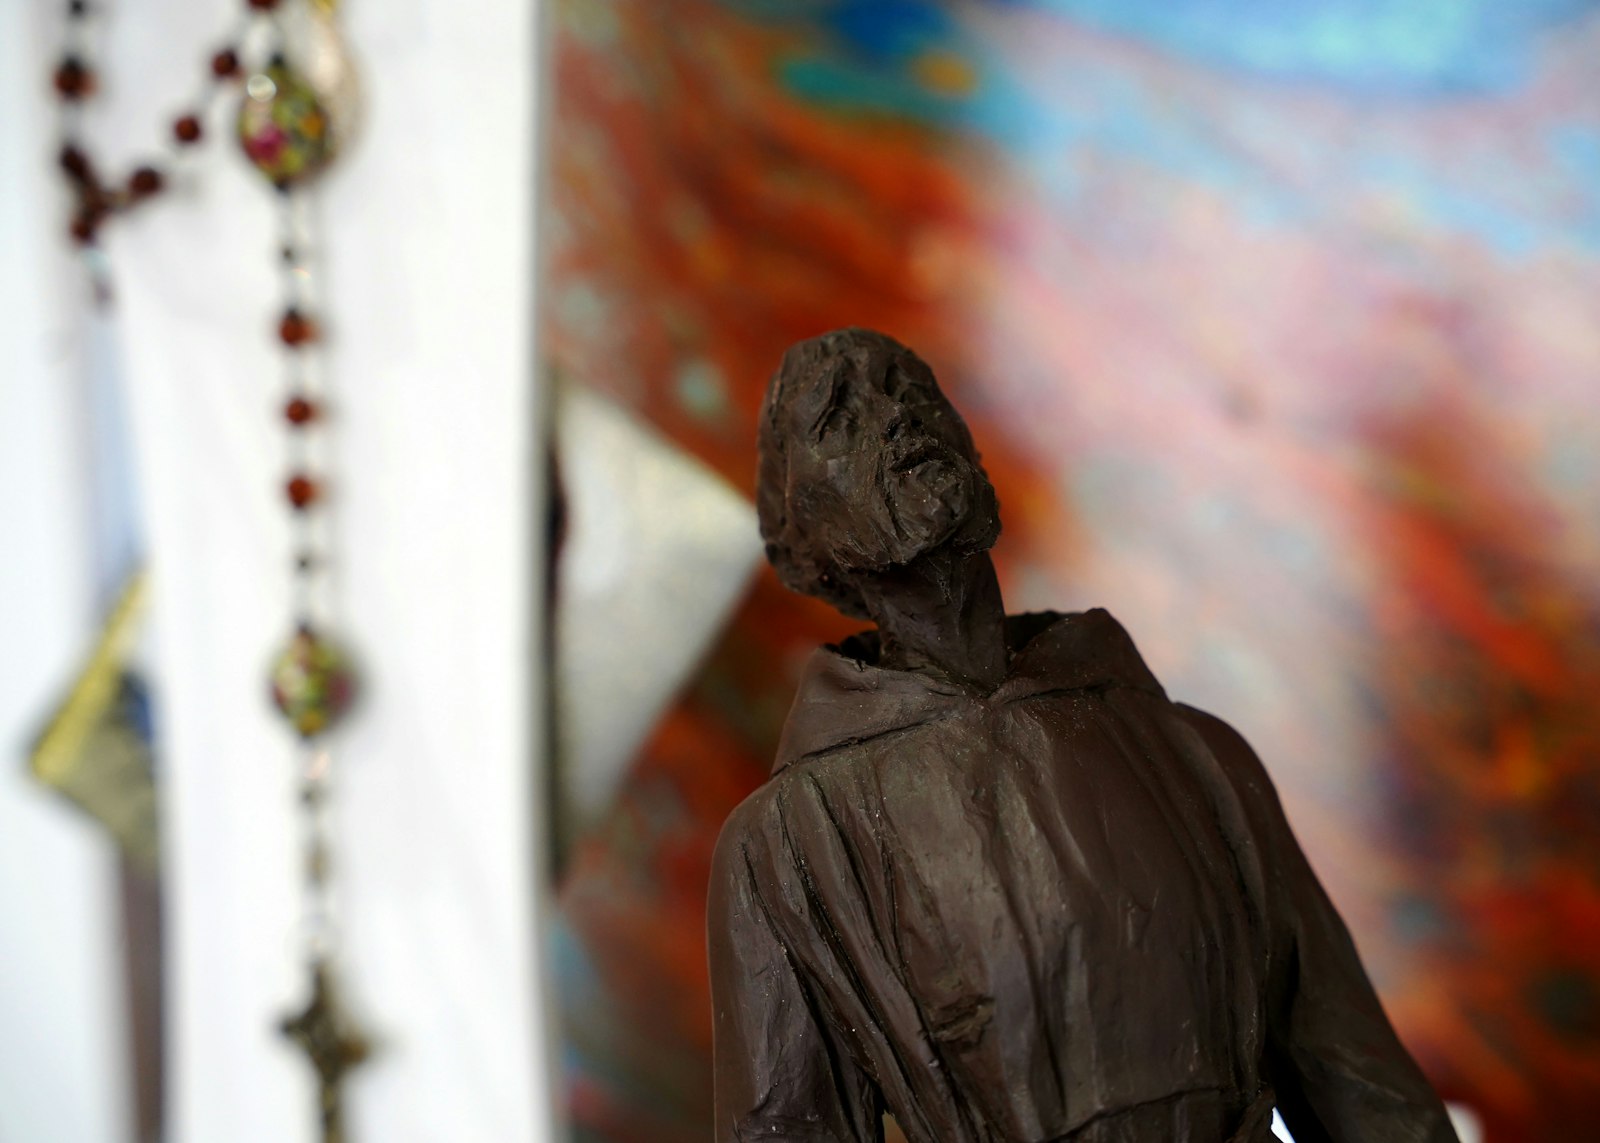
889, 29
1391, 46
1452, 204
1575, 152
849, 84
702, 389
1568, 465
877, 29
136, 707
1104, 113
1577, 149
1414, 47
1419, 920
863, 54
572, 969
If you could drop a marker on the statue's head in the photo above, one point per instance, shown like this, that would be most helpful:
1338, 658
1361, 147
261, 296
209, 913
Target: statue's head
865, 467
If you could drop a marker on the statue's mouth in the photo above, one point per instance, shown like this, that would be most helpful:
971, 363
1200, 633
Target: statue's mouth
922, 456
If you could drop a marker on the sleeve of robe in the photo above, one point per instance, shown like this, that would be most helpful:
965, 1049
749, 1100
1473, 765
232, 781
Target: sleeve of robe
1341, 1074
780, 1075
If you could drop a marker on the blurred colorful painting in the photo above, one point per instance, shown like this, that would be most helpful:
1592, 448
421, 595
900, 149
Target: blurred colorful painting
1278, 325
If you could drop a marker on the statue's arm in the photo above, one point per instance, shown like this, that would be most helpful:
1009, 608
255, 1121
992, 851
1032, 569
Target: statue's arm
1340, 1072
778, 1076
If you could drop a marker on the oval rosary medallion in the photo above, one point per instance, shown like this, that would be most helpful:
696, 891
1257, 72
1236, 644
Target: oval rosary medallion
283, 127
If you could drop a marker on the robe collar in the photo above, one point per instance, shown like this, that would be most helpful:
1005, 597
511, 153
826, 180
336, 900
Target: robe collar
845, 698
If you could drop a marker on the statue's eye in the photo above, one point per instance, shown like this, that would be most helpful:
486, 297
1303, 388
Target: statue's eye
905, 387
896, 384
834, 415
837, 419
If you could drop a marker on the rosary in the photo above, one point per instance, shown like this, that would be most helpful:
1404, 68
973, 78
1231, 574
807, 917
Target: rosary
293, 103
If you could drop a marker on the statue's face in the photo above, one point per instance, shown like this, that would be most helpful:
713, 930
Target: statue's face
881, 468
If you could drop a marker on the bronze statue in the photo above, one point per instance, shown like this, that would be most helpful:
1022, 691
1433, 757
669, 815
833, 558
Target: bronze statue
998, 885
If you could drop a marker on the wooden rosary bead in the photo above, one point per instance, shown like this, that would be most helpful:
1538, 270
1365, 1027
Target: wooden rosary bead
302, 491
145, 182
225, 63
186, 129
296, 329
73, 80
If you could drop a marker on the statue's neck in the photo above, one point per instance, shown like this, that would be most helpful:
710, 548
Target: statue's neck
941, 615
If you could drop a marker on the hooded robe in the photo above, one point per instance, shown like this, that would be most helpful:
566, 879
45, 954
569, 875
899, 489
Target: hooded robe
1066, 910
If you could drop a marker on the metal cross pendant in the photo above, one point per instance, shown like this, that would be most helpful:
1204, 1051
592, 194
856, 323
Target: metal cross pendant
332, 1045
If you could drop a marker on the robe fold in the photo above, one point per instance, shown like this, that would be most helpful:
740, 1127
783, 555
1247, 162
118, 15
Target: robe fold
1066, 910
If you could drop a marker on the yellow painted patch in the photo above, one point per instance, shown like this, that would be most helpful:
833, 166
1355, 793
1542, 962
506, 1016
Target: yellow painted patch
945, 72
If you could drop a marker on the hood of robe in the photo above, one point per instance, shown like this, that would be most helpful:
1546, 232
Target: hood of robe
844, 698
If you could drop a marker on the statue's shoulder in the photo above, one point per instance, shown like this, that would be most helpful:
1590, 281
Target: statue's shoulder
779, 817
751, 818
756, 825
1237, 760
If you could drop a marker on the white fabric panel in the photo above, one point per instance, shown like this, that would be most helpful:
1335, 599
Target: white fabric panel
63, 1064
658, 550
428, 254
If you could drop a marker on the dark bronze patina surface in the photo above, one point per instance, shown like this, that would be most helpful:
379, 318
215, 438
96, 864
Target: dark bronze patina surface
998, 884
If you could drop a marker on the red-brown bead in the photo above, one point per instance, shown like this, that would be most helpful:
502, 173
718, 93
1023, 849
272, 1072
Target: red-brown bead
300, 411
225, 63
263, 5
302, 491
73, 80
186, 129
85, 224
145, 181
76, 164
295, 329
